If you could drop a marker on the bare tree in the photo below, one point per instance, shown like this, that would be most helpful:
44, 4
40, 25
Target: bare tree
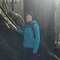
12, 5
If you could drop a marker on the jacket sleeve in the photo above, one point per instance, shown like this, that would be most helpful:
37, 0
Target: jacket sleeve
20, 31
37, 37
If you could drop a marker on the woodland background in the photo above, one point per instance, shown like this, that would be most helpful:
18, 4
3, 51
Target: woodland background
46, 12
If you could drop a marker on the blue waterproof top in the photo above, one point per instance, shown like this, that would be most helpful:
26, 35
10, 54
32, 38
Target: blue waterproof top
29, 40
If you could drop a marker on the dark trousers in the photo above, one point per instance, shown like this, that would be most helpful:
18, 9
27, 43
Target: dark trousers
28, 54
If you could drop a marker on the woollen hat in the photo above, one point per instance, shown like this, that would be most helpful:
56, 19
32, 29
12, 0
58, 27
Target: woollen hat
30, 13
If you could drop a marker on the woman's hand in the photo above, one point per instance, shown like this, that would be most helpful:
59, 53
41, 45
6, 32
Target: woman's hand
15, 27
34, 52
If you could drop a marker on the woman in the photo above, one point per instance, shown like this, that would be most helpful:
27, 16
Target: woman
31, 37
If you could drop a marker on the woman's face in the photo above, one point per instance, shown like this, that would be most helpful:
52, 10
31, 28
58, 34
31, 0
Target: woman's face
28, 18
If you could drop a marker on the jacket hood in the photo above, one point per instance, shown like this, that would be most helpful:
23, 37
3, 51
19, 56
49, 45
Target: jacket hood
34, 21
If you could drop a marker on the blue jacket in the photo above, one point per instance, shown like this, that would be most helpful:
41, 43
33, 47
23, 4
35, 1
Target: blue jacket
29, 40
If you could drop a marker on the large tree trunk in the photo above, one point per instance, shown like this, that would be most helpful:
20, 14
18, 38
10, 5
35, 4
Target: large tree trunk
44, 13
